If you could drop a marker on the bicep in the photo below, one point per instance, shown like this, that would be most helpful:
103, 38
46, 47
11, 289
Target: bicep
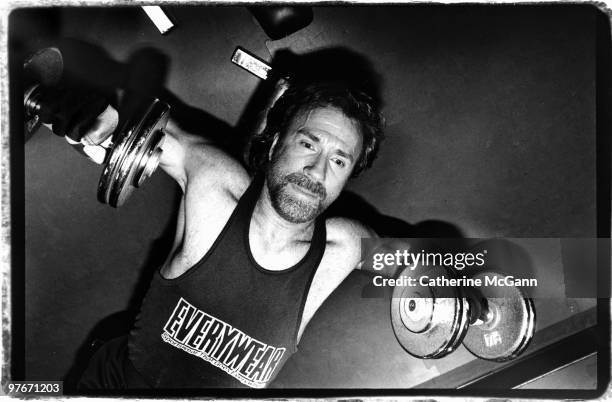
172, 159
360, 258
348, 234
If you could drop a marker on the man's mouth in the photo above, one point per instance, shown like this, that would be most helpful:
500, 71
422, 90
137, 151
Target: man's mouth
306, 186
305, 191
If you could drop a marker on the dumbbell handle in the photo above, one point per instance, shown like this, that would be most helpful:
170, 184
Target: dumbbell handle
96, 144
37, 101
481, 311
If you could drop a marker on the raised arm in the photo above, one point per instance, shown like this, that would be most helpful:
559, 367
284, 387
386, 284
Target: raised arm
179, 152
349, 234
187, 157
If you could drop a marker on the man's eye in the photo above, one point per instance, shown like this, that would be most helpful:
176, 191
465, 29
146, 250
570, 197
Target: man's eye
306, 144
339, 162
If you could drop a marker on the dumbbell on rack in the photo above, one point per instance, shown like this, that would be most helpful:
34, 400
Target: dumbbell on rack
493, 322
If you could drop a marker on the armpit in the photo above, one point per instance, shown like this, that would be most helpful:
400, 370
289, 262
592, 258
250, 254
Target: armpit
345, 229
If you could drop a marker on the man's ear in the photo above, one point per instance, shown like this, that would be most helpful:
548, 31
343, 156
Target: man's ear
271, 151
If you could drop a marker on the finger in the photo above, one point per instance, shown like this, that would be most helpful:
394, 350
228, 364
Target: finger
103, 127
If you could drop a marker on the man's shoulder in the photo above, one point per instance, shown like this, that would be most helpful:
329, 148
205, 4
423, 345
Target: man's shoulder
217, 172
346, 232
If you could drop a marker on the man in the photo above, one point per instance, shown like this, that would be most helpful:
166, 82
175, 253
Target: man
253, 257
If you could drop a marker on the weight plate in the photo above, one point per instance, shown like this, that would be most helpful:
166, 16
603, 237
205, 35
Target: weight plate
429, 322
31, 107
135, 154
46, 67
510, 324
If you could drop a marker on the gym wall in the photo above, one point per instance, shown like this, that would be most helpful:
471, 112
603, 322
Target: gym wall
490, 133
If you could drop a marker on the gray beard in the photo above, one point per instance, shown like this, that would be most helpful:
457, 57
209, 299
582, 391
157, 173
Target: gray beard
290, 208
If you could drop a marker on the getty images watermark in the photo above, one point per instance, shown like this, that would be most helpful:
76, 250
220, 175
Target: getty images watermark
543, 267
454, 261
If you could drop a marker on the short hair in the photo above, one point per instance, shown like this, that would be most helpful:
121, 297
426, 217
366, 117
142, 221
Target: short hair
353, 103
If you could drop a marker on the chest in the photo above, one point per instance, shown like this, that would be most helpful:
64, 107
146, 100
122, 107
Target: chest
201, 228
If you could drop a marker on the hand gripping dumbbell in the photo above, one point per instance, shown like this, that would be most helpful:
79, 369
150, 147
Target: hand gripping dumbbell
493, 322
131, 153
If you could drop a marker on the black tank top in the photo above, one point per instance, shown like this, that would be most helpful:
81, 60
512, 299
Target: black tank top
226, 322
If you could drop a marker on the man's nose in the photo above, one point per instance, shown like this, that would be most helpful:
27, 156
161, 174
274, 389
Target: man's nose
316, 169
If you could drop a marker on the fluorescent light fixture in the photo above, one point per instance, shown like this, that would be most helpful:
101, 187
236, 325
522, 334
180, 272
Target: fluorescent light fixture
251, 63
159, 18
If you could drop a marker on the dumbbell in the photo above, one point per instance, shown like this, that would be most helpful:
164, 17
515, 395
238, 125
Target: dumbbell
132, 152
493, 322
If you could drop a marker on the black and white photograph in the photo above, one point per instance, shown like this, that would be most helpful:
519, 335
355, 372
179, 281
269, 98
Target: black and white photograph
306, 200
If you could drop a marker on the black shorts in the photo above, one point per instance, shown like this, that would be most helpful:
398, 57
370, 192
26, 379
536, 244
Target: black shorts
111, 369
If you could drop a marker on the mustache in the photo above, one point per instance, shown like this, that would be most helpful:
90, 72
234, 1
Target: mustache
303, 181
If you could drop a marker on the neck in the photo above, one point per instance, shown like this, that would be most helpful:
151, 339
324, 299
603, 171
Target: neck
275, 231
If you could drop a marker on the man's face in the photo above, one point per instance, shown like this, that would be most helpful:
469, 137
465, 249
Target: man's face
311, 163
